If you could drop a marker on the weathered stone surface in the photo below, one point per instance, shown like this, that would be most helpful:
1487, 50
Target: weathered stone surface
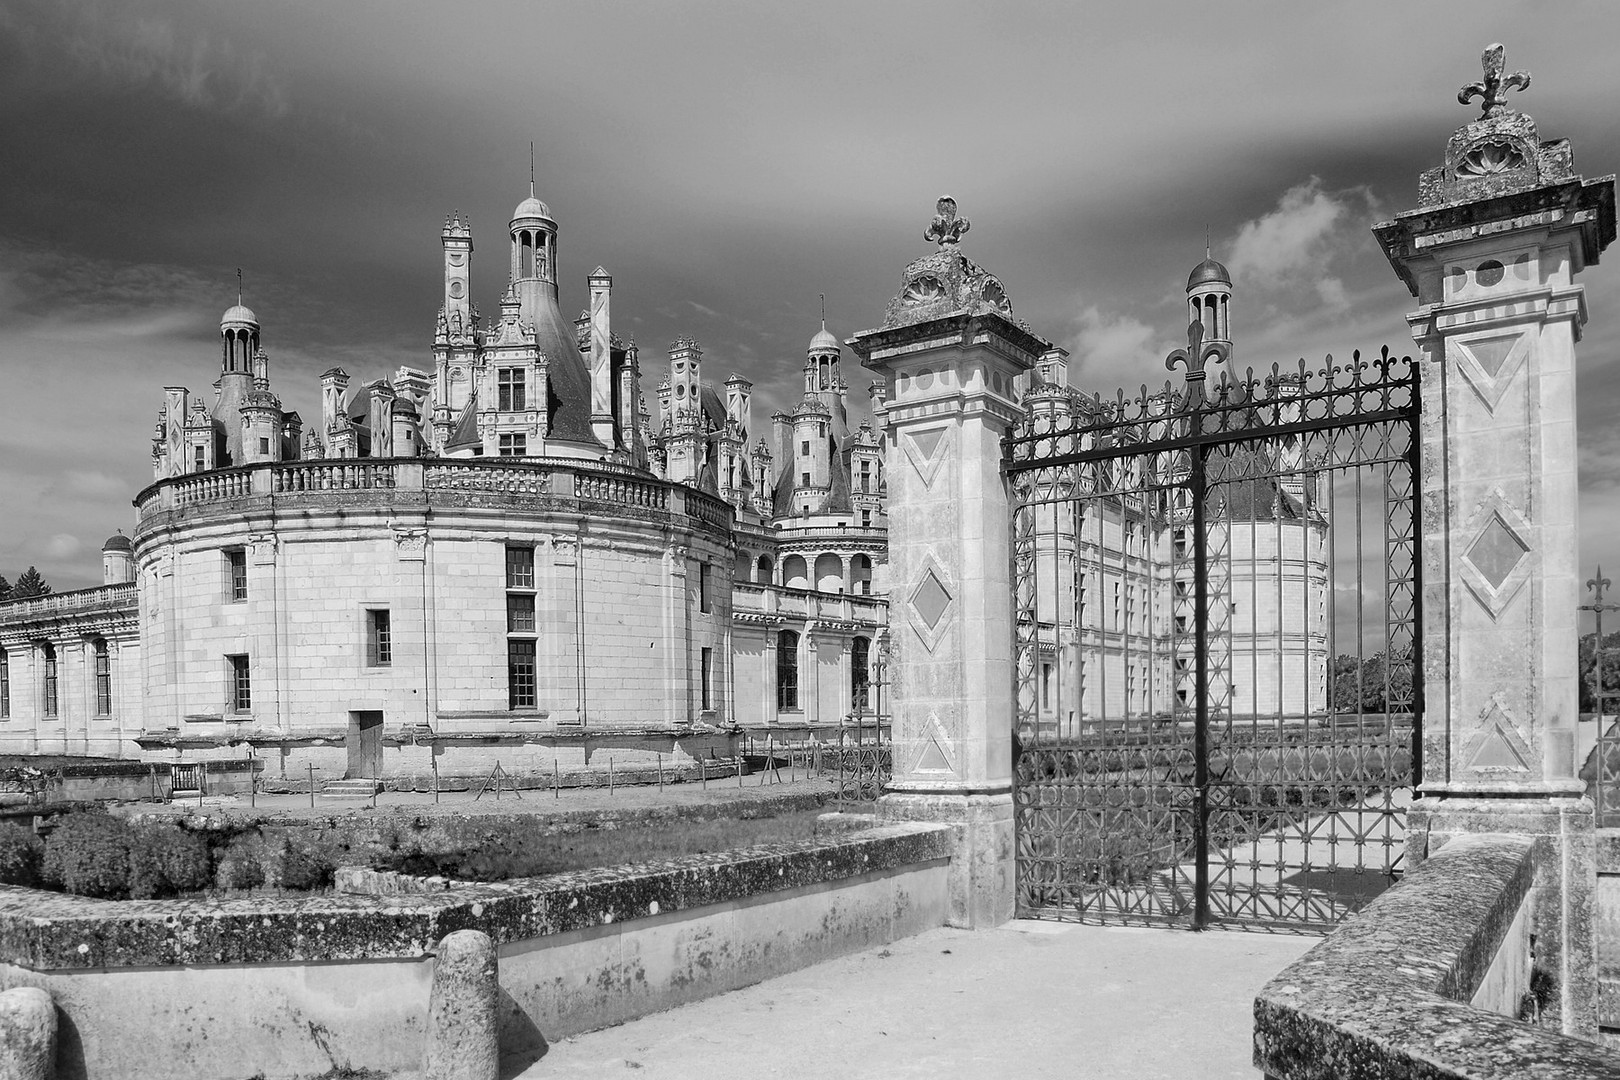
462, 1026
49, 931
1386, 995
27, 1034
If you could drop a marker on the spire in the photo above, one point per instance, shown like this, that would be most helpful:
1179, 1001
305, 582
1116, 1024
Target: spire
238, 286
824, 312
1206, 240
531, 168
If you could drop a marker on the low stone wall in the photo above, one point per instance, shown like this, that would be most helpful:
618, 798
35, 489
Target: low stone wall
1606, 934
309, 986
1418, 983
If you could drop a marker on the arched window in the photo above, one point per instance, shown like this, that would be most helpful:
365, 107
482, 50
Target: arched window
860, 675
763, 571
103, 678
48, 654
787, 671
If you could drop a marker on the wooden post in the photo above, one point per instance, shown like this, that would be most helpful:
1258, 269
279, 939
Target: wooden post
556, 779
311, 785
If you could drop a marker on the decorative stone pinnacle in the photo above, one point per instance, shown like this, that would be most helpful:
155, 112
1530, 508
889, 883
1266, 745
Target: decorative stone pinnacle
1492, 90
946, 228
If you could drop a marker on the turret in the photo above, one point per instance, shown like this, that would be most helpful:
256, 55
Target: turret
382, 418
534, 256
117, 560
260, 420
458, 247
239, 343
406, 424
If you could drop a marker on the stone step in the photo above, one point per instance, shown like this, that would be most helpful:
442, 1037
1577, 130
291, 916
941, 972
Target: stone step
353, 788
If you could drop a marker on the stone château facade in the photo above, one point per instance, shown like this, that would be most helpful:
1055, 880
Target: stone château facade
501, 556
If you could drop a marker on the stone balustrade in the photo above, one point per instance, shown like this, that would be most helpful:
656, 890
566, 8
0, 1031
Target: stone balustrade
763, 600
77, 602
553, 484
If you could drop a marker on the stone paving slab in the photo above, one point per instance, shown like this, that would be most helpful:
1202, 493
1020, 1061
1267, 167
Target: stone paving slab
1029, 1000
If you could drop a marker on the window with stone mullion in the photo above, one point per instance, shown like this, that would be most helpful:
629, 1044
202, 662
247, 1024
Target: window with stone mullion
511, 391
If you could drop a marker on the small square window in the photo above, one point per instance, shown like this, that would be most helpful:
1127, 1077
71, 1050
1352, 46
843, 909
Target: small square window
513, 445
520, 568
264, 446
519, 613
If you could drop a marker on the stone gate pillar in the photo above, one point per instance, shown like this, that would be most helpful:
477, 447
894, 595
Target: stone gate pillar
1492, 252
950, 352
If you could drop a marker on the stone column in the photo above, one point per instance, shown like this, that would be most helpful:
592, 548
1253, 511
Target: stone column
950, 353
1491, 255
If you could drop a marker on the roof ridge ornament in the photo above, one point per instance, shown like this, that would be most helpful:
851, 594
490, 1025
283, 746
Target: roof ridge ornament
1492, 90
946, 229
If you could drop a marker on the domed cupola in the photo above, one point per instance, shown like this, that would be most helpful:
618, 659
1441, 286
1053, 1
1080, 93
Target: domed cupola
239, 334
1209, 299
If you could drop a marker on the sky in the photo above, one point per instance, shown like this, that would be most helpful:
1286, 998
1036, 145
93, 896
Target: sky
728, 163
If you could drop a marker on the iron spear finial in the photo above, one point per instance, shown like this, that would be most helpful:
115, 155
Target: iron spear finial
1493, 88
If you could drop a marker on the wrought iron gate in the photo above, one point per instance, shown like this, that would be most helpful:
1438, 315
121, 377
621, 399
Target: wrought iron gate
1216, 620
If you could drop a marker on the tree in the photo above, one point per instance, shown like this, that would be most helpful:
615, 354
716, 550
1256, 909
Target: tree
5, 588
1356, 685
29, 583
1611, 672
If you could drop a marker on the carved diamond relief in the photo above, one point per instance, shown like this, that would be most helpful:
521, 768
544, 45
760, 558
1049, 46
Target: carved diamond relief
930, 600
1497, 552
930, 604
1497, 745
1496, 562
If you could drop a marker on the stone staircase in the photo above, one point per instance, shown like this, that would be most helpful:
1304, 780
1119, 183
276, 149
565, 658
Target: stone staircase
355, 788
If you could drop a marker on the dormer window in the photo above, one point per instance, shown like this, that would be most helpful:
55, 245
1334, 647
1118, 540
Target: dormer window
511, 391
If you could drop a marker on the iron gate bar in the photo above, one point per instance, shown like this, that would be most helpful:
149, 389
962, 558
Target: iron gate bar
1174, 437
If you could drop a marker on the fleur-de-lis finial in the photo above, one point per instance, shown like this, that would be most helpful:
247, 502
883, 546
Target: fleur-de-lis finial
1492, 90
1197, 353
1597, 585
946, 227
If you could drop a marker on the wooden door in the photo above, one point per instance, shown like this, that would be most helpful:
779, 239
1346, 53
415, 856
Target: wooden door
365, 744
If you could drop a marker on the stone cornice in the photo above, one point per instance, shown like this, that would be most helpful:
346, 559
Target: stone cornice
1586, 205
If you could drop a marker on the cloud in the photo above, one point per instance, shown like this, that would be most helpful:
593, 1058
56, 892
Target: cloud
62, 546
200, 70
1290, 238
1112, 350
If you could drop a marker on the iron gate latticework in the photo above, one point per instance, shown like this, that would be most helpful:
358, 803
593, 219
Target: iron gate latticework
1216, 621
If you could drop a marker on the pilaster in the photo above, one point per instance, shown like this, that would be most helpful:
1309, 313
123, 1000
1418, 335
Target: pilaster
949, 354
1491, 257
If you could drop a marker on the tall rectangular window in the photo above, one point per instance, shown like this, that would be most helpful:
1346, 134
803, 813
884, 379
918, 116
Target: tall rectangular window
512, 445
804, 449
707, 661
103, 678
236, 566
866, 476
787, 670
50, 680
379, 638
199, 459
510, 390
703, 589
519, 613
5, 685
241, 688
520, 674
520, 568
